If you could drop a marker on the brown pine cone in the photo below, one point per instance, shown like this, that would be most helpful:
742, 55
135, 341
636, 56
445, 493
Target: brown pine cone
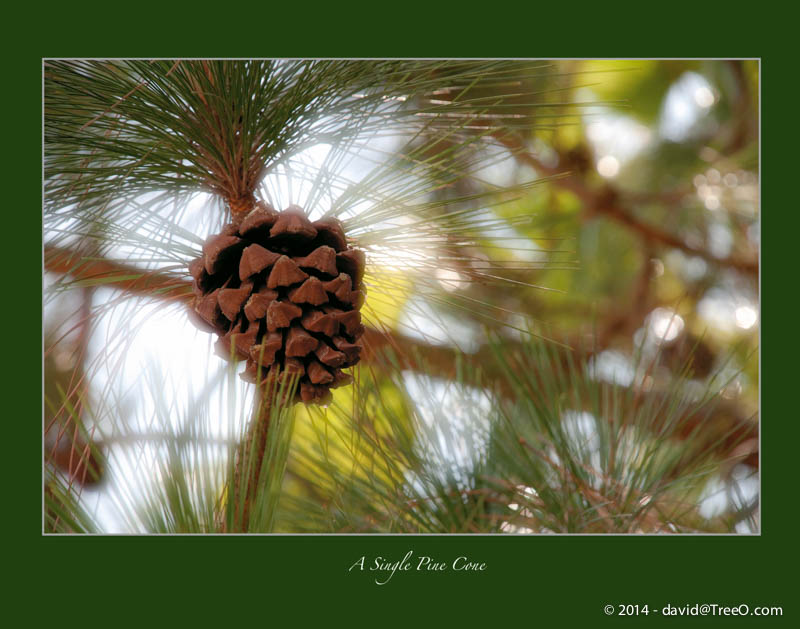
285, 294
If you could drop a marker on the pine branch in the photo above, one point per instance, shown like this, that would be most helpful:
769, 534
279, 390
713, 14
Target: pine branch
608, 202
116, 129
533, 462
387, 347
96, 271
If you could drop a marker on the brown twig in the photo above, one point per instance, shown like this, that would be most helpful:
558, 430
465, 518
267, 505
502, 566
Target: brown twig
250, 458
652, 234
70, 451
155, 284
608, 202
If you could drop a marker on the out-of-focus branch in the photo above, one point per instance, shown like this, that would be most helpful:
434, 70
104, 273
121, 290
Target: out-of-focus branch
607, 202
385, 345
745, 125
101, 271
609, 206
66, 445
723, 430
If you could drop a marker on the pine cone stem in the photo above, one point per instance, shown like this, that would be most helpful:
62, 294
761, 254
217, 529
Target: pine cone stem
241, 207
250, 457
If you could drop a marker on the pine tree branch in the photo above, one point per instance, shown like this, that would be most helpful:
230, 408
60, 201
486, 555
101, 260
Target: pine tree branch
72, 451
608, 202
105, 272
438, 361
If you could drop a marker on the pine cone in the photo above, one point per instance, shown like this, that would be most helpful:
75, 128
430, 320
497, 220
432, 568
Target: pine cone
283, 293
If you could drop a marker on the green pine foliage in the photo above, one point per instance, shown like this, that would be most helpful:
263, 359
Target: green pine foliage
480, 406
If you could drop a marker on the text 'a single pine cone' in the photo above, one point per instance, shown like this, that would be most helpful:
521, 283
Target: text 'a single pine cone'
283, 293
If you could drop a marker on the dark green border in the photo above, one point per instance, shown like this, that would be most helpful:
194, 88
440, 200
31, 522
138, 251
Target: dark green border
224, 581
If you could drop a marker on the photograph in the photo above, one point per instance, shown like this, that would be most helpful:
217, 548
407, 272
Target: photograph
318, 297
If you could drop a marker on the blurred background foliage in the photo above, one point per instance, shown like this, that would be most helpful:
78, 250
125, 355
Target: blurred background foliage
611, 387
